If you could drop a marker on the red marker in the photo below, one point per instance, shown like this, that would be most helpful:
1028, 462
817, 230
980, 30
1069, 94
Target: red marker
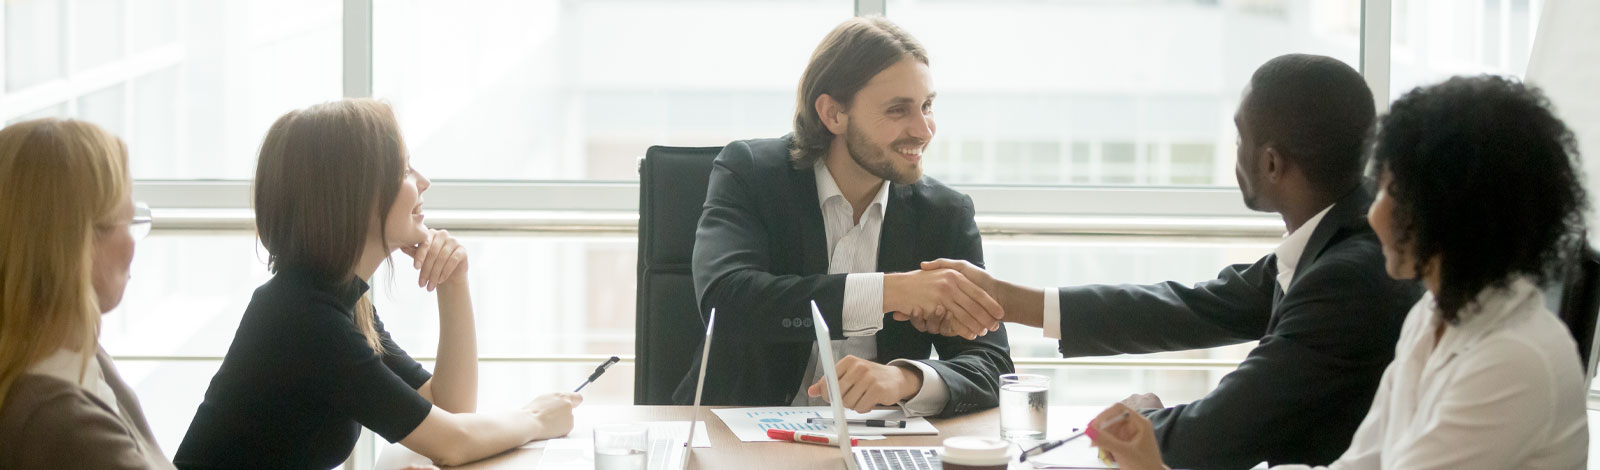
806, 437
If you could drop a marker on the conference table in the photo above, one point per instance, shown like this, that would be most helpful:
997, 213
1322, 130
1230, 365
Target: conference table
727, 452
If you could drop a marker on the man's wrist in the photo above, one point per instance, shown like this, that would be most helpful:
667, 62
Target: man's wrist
1024, 305
911, 381
891, 292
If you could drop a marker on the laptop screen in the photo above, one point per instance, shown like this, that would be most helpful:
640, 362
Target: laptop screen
825, 356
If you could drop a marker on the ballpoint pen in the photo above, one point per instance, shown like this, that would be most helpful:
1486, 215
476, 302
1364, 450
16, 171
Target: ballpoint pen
597, 372
1089, 430
871, 423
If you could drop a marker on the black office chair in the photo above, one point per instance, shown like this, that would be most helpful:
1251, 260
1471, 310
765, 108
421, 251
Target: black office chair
669, 324
1579, 298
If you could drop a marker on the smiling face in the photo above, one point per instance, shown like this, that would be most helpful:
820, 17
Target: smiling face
890, 122
404, 226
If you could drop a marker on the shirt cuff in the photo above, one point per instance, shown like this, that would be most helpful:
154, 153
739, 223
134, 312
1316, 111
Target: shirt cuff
1052, 313
863, 304
930, 400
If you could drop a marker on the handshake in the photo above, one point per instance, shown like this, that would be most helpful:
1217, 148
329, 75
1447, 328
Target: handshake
947, 297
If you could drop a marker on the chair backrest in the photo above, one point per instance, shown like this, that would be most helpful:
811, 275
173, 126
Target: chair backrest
1580, 305
672, 191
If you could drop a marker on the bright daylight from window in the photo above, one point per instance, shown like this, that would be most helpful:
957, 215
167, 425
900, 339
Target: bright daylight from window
1032, 93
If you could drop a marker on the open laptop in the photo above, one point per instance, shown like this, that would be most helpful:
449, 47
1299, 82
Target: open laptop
866, 458
681, 460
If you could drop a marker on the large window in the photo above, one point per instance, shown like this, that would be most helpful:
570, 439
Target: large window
541, 105
578, 89
1105, 93
1433, 40
191, 85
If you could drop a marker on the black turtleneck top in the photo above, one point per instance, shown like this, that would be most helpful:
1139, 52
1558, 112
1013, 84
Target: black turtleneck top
299, 382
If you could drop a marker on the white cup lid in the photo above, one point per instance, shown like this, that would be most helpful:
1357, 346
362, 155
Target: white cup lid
973, 450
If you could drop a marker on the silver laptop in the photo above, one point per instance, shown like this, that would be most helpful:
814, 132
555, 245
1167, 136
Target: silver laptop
866, 458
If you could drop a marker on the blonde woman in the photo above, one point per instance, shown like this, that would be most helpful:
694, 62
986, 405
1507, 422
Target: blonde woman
68, 225
335, 197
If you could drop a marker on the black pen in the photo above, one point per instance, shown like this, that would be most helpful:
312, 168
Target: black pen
1049, 446
871, 423
597, 372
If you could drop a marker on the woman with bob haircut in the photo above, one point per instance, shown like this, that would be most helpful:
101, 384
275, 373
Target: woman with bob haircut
311, 363
1481, 198
68, 225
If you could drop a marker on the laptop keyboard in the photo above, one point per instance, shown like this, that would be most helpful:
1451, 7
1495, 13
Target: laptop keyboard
899, 459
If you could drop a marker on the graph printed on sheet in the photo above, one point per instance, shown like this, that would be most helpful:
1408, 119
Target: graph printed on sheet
751, 424
788, 420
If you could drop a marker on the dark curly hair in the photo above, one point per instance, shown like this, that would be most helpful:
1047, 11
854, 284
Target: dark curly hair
1484, 177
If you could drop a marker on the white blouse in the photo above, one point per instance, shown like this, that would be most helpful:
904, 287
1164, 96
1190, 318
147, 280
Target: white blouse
1503, 389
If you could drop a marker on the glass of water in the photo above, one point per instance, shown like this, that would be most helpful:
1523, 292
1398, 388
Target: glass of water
621, 447
1024, 406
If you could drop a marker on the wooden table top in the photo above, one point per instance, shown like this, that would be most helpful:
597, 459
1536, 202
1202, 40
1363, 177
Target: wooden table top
728, 452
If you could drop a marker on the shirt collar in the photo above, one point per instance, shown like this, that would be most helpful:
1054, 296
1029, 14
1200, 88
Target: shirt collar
829, 189
1488, 312
1294, 245
346, 292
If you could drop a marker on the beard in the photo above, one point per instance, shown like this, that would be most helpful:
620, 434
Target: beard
876, 159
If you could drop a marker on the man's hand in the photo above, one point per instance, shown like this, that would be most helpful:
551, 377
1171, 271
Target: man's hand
972, 272
1143, 401
865, 384
955, 305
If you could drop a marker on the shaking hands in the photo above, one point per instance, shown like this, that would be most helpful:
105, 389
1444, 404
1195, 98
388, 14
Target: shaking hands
947, 297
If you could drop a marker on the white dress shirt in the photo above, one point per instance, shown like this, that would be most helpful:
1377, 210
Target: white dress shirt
853, 249
68, 365
1503, 389
1293, 245
1288, 253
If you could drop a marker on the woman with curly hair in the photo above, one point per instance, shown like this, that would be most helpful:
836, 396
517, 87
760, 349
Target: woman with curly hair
1480, 198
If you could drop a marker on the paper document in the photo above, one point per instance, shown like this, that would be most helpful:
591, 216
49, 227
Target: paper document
751, 424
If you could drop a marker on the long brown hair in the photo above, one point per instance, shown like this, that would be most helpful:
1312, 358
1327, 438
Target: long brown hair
59, 180
842, 65
322, 174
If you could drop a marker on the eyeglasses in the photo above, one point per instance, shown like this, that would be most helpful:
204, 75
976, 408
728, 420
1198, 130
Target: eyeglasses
139, 227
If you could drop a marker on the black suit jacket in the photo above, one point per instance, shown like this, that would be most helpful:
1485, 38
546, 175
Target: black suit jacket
760, 258
1300, 394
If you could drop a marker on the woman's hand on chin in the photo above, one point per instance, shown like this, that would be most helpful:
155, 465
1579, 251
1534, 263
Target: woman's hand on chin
440, 258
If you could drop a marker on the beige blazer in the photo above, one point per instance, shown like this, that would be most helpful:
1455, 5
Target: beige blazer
49, 423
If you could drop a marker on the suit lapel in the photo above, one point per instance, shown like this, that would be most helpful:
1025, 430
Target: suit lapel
1349, 211
813, 232
897, 248
897, 245
128, 406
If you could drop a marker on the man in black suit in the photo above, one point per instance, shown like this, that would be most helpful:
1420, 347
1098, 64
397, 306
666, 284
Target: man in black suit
822, 215
1326, 314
